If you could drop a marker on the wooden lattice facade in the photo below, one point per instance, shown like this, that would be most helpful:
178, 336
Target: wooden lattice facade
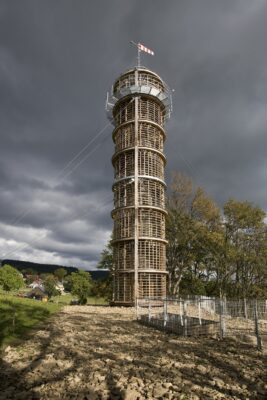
139, 106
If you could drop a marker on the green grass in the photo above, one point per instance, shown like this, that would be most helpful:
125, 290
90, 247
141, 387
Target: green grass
23, 290
18, 316
63, 299
99, 301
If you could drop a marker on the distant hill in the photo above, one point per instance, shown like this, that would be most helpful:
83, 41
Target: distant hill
99, 274
50, 268
40, 268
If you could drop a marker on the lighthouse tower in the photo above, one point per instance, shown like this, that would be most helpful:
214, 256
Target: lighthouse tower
139, 104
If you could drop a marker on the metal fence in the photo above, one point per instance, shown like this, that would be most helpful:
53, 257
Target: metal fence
199, 315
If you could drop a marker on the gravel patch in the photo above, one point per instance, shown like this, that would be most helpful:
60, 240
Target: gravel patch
103, 353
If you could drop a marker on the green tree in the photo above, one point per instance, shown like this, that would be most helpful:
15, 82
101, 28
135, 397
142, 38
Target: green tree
246, 249
191, 284
223, 255
81, 283
45, 275
60, 273
50, 286
67, 283
10, 278
192, 229
30, 271
104, 287
30, 279
106, 258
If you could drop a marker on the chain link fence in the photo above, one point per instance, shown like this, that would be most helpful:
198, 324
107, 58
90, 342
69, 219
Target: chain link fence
196, 316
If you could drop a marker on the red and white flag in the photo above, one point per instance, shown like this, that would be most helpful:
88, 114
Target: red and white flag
141, 47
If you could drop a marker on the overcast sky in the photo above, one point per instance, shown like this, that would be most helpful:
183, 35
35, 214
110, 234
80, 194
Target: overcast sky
58, 58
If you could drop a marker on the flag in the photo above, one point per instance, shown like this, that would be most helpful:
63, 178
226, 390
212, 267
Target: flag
141, 47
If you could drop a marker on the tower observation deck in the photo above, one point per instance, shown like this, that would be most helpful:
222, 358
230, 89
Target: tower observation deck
139, 104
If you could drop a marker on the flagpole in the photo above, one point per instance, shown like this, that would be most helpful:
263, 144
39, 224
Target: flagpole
140, 47
138, 57
138, 53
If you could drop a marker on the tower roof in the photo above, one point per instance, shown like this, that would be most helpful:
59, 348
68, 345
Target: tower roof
145, 82
140, 68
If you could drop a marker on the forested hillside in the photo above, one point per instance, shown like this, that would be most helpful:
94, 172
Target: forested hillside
49, 268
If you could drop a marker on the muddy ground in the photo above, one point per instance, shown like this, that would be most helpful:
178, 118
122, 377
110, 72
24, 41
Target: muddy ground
103, 353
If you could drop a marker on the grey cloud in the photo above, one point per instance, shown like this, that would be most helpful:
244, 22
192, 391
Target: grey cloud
57, 61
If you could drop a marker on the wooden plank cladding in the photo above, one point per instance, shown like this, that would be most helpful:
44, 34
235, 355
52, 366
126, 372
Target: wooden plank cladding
123, 288
123, 224
152, 255
139, 246
124, 255
150, 193
151, 223
148, 109
152, 285
149, 163
149, 135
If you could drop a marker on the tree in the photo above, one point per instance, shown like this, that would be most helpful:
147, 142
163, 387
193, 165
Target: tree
45, 275
50, 286
30, 278
207, 251
104, 287
67, 283
106, 258
81, 285
10, 278
192, 229
60, 273
30, 271
246, 244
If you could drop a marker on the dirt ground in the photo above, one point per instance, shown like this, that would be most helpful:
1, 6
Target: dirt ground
103, 353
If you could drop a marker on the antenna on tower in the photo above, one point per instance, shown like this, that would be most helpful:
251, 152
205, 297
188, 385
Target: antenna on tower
140, 47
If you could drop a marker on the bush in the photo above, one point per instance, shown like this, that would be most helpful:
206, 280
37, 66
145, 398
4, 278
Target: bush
81, 284
50, 287
10, 278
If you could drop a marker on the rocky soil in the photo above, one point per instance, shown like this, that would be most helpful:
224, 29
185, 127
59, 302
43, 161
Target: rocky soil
103, 353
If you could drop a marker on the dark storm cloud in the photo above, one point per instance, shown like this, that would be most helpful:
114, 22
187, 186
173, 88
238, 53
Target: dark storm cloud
57, 61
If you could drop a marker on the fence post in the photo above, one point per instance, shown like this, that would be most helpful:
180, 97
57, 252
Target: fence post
225, 312
181, 313
257, 332
185, 317
245, 309
165, 312
199, 312
222, 322
149, 311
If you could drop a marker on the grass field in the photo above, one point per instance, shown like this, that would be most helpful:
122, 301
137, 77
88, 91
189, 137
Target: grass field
18, 316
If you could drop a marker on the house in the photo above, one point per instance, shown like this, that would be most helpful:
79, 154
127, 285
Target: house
59, 286
37, 294
37, 284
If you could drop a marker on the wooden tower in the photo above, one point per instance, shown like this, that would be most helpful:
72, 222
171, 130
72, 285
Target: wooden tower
138, 106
